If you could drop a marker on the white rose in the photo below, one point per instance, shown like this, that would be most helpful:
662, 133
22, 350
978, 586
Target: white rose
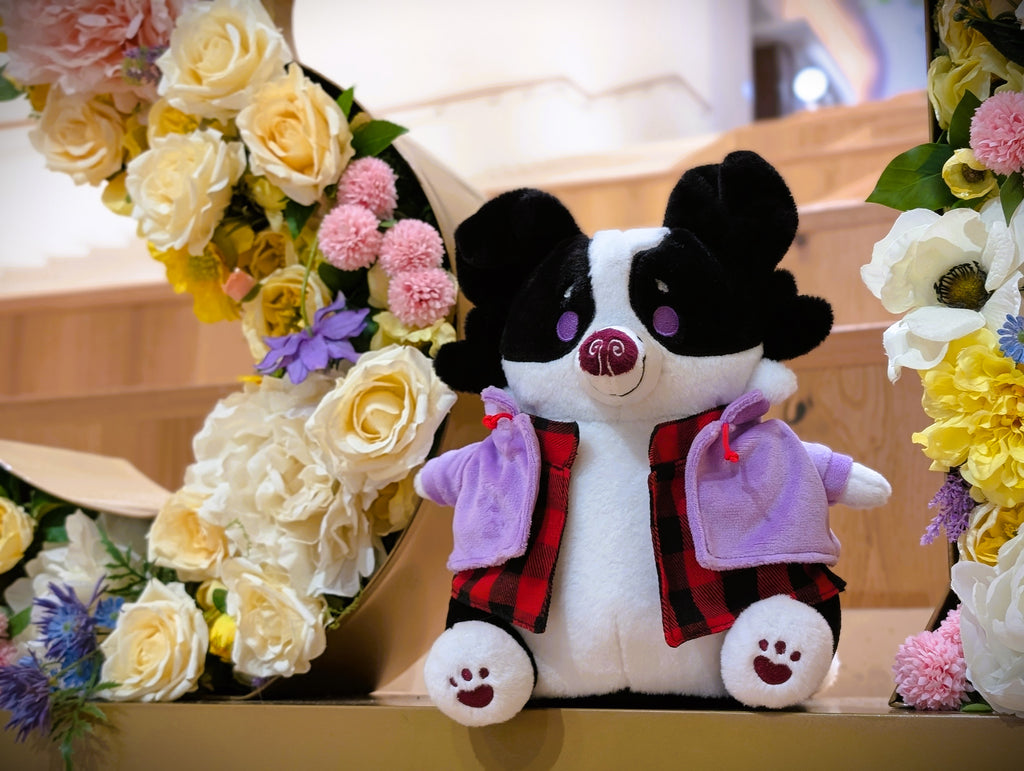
955, 273
219, 54
278, 632
16, 531
379, 421
345, 550
266, 488
80, 135
297, 136
992, 625
157, 650
180, 539
181, 186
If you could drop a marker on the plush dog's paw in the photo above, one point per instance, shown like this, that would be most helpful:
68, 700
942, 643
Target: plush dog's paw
777, 653
478, 674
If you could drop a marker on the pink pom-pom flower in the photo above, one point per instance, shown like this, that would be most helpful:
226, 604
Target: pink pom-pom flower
411, 245
418, 298
369, 182
997, 132
349, 237
930, 670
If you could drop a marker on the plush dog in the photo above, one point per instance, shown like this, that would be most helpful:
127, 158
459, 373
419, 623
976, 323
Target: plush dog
631, 523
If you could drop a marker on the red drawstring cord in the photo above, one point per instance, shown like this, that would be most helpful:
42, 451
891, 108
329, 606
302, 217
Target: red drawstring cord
491, 421
730, 455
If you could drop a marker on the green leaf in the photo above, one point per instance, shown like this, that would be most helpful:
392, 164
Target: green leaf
345, 100
220, 600
251, 294
8, 91
1011, 193
19, 622
914, 180
297, 215
55, 534
960, 123
976, 707
376, 136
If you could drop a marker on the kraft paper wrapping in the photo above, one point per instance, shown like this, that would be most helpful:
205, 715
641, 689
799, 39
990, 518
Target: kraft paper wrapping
98, 482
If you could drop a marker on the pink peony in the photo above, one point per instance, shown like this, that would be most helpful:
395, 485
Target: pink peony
411, 245
369, 182
930, 670
997, 132
87, 46
418, 298
349, 237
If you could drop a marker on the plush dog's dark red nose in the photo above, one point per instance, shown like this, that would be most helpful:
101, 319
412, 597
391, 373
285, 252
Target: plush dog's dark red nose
608, 352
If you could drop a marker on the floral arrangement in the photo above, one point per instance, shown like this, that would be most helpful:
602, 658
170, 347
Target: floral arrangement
953, 266
273, 200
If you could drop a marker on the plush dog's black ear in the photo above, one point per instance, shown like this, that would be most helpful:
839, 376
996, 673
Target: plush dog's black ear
793, 324
496, 250
740, 208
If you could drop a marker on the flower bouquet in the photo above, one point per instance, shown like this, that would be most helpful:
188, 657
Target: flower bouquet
276, 202
953, 266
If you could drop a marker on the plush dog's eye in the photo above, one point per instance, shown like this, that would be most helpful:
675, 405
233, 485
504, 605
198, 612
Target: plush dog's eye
567, 326
665, 321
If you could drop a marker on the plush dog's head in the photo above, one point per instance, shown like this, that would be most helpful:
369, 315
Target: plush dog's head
647, 323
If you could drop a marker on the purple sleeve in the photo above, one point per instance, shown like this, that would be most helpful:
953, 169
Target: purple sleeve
833, 468
441, 477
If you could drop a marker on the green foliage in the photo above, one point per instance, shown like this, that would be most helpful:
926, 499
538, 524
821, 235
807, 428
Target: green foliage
374, 137
220, 600
345, 100
8, 90
914, 180
19, 622
959, 134
296, 216
127, 575
1011, 193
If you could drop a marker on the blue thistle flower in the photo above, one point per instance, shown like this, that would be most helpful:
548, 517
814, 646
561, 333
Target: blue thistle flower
1011, 338
107, 611
25, 692
954, 502
68, 627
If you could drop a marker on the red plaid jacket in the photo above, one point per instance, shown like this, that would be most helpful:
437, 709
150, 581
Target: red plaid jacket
695, 601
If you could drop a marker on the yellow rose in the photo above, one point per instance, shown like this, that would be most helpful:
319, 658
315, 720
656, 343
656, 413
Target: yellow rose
115, 196
135, 141
16, 530
394, 507
275, 311
265, 194
157, 650
222, 636
297, 136
80, 136
181, 187
278, 631
37, 96
180, 539
989, 528
165, 119
379, 421
269, 252
949, 81
967, 177
391, 331
219, 54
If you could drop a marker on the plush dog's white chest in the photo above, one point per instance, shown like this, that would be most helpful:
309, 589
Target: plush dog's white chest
604, 629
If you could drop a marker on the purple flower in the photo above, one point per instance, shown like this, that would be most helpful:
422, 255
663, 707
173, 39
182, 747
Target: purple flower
1011, 338
139, 65
68, 627
25, 692
954, 502
107, 611
328, 339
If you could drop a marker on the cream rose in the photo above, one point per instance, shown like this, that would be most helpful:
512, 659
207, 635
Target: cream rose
297, 136
948, 81
278, 631
181, 186
180, 539
80, 136
157, 650
220, 53
275, 310
992, 625
16, 531
379, 421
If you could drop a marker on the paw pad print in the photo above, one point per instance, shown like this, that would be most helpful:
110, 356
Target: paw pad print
773, 666
472, 691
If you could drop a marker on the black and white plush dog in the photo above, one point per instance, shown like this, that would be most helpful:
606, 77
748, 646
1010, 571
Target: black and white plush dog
631, 523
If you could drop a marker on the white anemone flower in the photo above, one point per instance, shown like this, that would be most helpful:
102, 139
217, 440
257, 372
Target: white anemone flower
951, 274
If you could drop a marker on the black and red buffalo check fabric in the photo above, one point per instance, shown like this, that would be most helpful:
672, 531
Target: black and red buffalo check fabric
519, 591
696, 601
